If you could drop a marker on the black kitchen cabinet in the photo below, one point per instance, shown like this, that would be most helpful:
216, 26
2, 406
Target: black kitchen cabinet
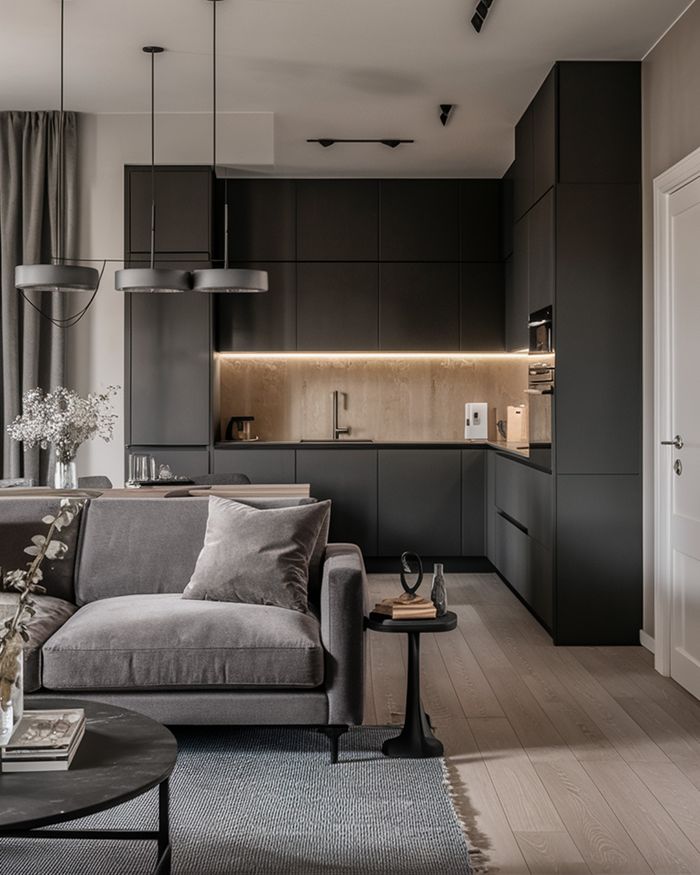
338, 220
420, 502
168, 363
348, 477
507, 209
262, 218
480, 219
182, 461
541, 253
600, 119
482, 307
419, 307
262, 321
599, 560
517, 289
473, 506
183, 218
522, 171
263, 465
599, 330
544, 137
338, 306
419, 220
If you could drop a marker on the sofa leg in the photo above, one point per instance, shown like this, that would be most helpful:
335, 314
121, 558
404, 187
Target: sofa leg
333, 734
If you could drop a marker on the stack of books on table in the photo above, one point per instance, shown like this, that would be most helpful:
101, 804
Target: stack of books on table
44, 741
404, 608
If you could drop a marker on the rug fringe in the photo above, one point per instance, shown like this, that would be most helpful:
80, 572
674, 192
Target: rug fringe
464, 816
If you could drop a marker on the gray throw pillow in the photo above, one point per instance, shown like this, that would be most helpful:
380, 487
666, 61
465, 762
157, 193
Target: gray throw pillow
257, 557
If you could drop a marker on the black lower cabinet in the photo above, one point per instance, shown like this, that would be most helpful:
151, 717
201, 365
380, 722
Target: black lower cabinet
420, 502
473, 506
349, 479
183, 461
599, 559
261, 465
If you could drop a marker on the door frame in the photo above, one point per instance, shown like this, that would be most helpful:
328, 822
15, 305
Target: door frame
681, 174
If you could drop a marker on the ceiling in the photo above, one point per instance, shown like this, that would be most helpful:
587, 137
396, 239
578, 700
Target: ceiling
327, 68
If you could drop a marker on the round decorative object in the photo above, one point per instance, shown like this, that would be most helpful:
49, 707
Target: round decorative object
152, 279
406, 569
56, 278
235, 280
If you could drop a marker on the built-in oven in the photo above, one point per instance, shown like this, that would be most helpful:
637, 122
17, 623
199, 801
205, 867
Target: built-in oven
540, 388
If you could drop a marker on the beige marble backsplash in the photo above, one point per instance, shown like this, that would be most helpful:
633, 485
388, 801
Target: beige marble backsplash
387, 399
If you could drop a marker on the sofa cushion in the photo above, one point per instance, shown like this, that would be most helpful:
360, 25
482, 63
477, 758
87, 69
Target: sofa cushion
21, 519
163, 641
148, 545
257, 557
51, 614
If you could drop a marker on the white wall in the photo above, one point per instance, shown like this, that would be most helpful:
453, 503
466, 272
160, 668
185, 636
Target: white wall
671, 96
95, 347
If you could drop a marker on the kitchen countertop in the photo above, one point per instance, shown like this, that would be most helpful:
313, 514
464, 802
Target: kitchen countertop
512, 447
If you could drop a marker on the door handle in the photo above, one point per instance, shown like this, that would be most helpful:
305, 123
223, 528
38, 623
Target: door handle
677, 442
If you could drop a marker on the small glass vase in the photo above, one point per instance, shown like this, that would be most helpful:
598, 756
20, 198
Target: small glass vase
11, 713
65, 475
438, 593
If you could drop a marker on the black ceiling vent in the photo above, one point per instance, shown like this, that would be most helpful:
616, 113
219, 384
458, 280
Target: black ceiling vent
480, 13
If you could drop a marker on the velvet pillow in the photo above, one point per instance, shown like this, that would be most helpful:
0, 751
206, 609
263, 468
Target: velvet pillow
257, 557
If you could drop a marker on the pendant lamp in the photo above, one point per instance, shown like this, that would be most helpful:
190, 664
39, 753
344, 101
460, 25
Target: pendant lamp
152, 279
57, 276
226, 279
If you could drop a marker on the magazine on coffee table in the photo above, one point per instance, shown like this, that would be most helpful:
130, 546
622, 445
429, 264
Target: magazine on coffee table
44, 741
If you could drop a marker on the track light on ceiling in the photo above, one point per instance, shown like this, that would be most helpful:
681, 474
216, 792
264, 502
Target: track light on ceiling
480, 13
152, 279
225, 279
327, 141
446, 110
58, 276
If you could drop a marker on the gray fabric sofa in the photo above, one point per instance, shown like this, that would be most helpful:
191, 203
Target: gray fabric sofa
113, 628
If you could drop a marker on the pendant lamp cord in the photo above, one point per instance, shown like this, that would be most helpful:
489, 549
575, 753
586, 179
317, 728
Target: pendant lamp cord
213, 126
153, 158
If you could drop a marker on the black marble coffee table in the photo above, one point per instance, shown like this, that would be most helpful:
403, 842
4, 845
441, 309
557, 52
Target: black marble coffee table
121, 756
416, 740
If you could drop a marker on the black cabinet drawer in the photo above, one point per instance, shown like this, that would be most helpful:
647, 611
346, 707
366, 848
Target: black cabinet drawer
420, 502
525, 495
513, 556
349, 478
473, 504
261, 465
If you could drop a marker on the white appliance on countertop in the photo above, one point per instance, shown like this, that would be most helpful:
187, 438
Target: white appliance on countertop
515, 424
476, 426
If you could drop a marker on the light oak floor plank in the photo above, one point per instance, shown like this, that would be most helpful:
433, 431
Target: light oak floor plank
679, 796
551, 852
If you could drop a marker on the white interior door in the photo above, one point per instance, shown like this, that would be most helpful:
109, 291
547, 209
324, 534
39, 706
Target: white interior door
681, 463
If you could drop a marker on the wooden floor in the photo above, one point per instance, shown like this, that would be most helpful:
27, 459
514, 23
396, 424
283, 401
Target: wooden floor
565, 759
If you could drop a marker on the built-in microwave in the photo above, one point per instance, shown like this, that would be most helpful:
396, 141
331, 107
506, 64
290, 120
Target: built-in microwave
540, 328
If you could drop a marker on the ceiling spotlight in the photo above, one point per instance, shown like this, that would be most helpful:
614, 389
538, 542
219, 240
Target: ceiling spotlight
326, 142
480, 13
446, 110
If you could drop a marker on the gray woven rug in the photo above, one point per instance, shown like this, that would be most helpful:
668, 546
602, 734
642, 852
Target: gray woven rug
269, 801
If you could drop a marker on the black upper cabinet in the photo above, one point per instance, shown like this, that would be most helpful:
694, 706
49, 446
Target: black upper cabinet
599, 122
482, 308
262, 219
183, 219
169, 360
480, 219
259, 322
517, 289
507, 213
419, 307
419, 220
337, 306
522, 172
541, 260
544, 137
338, 220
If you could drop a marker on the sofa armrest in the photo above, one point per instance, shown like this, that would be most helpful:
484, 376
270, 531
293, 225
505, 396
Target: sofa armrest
344, 601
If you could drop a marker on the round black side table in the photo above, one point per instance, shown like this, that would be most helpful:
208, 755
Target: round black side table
122, 755
416, 740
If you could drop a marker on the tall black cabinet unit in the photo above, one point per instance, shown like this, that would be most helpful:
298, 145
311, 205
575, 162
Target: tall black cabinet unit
168, 336
577, 246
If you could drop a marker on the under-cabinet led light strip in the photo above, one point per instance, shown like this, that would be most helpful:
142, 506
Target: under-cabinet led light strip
374, 356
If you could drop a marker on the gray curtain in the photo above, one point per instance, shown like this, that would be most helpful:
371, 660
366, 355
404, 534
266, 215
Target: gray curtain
32, 349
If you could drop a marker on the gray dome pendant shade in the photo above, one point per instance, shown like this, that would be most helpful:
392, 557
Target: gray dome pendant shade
226, 279
57, 277
152, 279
